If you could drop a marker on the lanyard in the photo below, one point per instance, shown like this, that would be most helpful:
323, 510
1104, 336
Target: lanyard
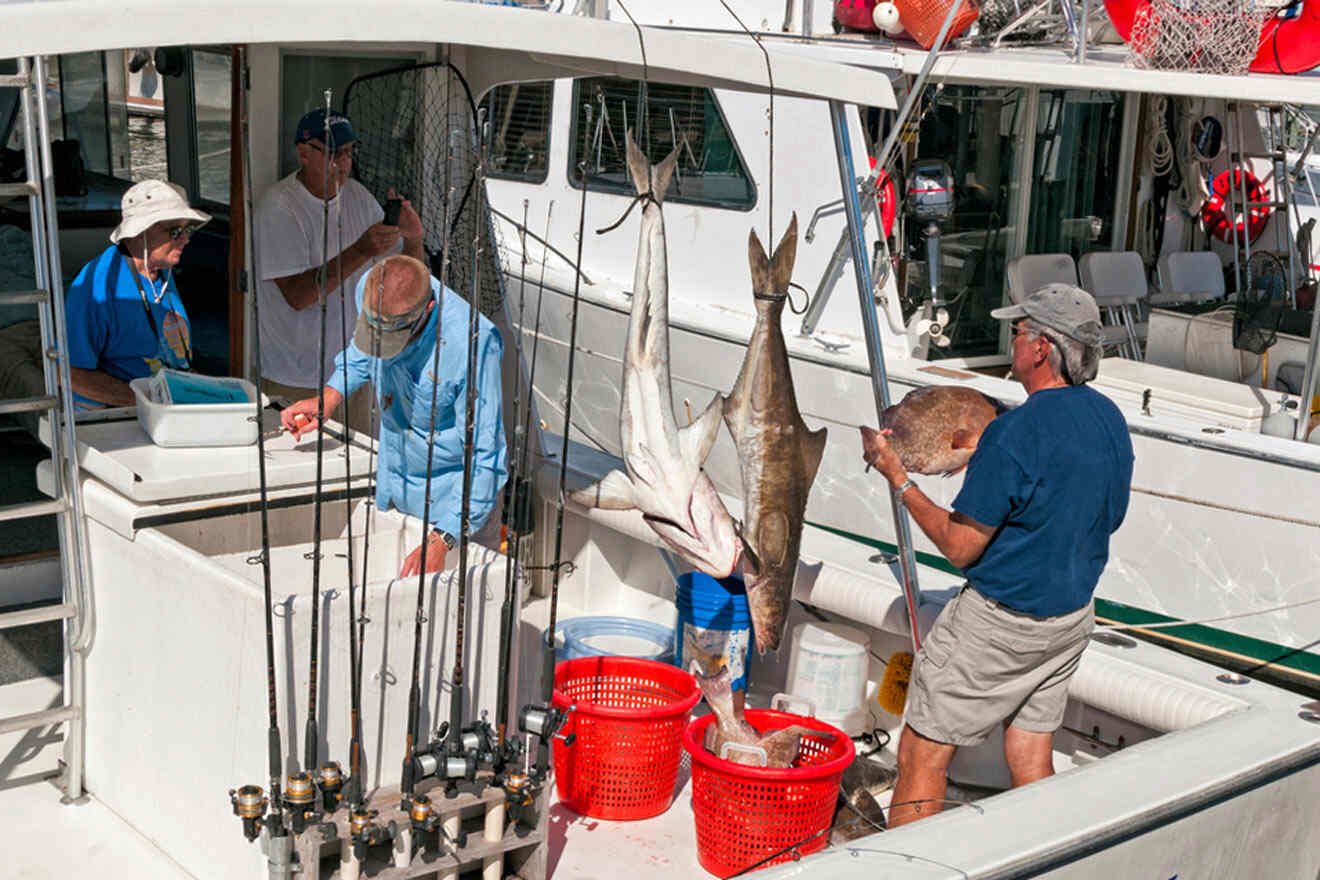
151, 320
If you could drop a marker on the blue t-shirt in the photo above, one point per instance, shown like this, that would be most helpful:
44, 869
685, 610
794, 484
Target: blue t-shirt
1053, 477
107, 323
404, 386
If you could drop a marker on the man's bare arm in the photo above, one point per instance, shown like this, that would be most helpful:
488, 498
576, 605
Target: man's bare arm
304, 289
959, 538
102, 387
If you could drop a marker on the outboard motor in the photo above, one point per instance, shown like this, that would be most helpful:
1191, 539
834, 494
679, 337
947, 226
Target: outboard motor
930, 202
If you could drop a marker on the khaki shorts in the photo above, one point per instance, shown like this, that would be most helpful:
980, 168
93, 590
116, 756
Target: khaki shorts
983, 664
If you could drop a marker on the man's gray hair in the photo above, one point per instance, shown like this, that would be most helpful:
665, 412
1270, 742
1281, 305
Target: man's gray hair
1076, 362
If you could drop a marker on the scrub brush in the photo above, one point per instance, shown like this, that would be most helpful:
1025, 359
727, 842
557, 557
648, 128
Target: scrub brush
892, 693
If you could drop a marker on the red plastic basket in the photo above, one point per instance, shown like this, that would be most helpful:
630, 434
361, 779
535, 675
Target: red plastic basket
628, 718
922, 19
745, 814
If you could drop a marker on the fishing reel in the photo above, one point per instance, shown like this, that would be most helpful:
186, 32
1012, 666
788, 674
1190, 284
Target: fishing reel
332, 786
249, 803
364, 832
519, 796
545, 722
300, 801
448, 761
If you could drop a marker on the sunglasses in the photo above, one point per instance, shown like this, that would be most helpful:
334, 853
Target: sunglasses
410, 320
345, 152
177, 232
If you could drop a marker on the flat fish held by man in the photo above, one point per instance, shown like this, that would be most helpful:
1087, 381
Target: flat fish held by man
777, 454
934, 430
663, 477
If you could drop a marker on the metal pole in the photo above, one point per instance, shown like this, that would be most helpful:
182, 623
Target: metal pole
1311, 381
907, 562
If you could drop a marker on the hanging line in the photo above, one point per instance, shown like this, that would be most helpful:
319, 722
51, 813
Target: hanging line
770, 75
647, 196
643, 128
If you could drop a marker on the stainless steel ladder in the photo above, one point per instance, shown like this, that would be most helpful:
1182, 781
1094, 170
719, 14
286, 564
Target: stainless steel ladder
1239, 201
75, 609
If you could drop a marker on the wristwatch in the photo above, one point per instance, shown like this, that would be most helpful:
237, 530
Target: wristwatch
446, 537
906, 484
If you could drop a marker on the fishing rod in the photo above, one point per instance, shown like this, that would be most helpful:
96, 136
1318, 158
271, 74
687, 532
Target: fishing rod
414, 766
310, 737
512, 518
545, 720
249, 801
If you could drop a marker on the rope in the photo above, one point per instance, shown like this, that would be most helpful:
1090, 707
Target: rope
1176, 623
1161, 148
647, 196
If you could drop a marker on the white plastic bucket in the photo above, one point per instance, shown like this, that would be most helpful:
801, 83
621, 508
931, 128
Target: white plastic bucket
829, 664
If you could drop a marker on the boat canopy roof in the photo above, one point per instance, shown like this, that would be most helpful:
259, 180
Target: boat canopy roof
503, 44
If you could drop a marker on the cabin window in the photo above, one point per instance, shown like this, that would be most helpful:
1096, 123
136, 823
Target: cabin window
519, 116
212, 94
977, 131
1075, 184
710, 169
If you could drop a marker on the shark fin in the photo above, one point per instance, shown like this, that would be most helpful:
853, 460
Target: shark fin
813, 448
759, 262
613, 492
695, 440
781, 264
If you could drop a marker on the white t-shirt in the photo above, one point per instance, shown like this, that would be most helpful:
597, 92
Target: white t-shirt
290, 229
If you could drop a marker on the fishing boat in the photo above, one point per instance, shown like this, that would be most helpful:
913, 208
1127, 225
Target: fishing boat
1052, 155
161, 718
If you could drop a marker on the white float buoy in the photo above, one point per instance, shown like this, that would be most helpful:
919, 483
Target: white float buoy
885, 16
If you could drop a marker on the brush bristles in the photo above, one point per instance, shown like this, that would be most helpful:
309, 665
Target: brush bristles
892, 693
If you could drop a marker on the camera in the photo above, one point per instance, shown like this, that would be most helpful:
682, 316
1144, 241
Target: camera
392, 209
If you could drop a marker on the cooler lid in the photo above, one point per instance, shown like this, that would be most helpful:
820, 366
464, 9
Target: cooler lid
121, 455
1170, 386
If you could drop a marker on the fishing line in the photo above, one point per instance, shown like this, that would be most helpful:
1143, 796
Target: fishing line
310, 750
548, 248
274, 747
548, 673
770, 75
1170, 624
643, 97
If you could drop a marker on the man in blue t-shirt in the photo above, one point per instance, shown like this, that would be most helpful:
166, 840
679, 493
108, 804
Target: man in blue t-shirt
1047, 486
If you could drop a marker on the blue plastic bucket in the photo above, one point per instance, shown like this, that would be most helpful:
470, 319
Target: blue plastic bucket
714, 625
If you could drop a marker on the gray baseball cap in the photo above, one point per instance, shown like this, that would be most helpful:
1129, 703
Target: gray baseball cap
1062, 307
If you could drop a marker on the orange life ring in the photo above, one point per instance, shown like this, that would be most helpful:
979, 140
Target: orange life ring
886, 199
1217, 222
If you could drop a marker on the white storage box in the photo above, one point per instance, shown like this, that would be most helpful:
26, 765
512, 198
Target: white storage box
1185, 395
197, 424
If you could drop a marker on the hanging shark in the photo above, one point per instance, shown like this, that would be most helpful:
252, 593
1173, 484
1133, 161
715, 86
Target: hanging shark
663, 477
777, 454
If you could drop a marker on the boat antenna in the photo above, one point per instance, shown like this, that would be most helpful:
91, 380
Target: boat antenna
414, 767
545, 720
249, 802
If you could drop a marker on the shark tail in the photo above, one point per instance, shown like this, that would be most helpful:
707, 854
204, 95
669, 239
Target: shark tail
647, 179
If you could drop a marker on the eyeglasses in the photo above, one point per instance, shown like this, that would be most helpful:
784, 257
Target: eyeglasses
177, 232
1019, 330
339, 155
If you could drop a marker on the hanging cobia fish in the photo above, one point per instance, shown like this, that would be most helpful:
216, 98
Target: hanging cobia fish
664, 479
777, 454
934, 430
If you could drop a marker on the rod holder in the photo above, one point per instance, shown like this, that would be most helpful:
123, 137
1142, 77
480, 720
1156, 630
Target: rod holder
278, 850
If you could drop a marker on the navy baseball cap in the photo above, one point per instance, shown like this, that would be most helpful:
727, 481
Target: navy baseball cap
312, 128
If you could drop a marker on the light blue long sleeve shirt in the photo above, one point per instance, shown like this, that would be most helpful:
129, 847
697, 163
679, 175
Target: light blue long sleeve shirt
403, 387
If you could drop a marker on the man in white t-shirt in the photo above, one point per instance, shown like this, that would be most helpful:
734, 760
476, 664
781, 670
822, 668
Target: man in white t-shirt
292, 251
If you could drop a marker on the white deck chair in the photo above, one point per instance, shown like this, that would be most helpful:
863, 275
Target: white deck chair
1189, 276
1034, 271
1117, 280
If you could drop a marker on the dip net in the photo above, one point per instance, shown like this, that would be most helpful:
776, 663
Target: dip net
1205, 36
418, 134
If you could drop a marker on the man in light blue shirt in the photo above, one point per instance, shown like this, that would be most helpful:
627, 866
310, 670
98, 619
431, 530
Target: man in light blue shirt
403, 314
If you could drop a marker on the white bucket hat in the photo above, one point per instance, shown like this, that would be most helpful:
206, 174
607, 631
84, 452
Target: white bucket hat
151, 202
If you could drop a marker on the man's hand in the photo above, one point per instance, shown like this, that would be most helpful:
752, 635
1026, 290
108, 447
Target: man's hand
300, 418
378, 239
436, 551
880, 455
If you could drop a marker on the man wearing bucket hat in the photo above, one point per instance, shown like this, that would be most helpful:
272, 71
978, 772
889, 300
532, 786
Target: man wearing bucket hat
404, 314
1047, 486
125, 318
295, 264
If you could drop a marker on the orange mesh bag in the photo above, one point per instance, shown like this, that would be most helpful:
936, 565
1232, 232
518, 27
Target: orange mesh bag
922, 18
